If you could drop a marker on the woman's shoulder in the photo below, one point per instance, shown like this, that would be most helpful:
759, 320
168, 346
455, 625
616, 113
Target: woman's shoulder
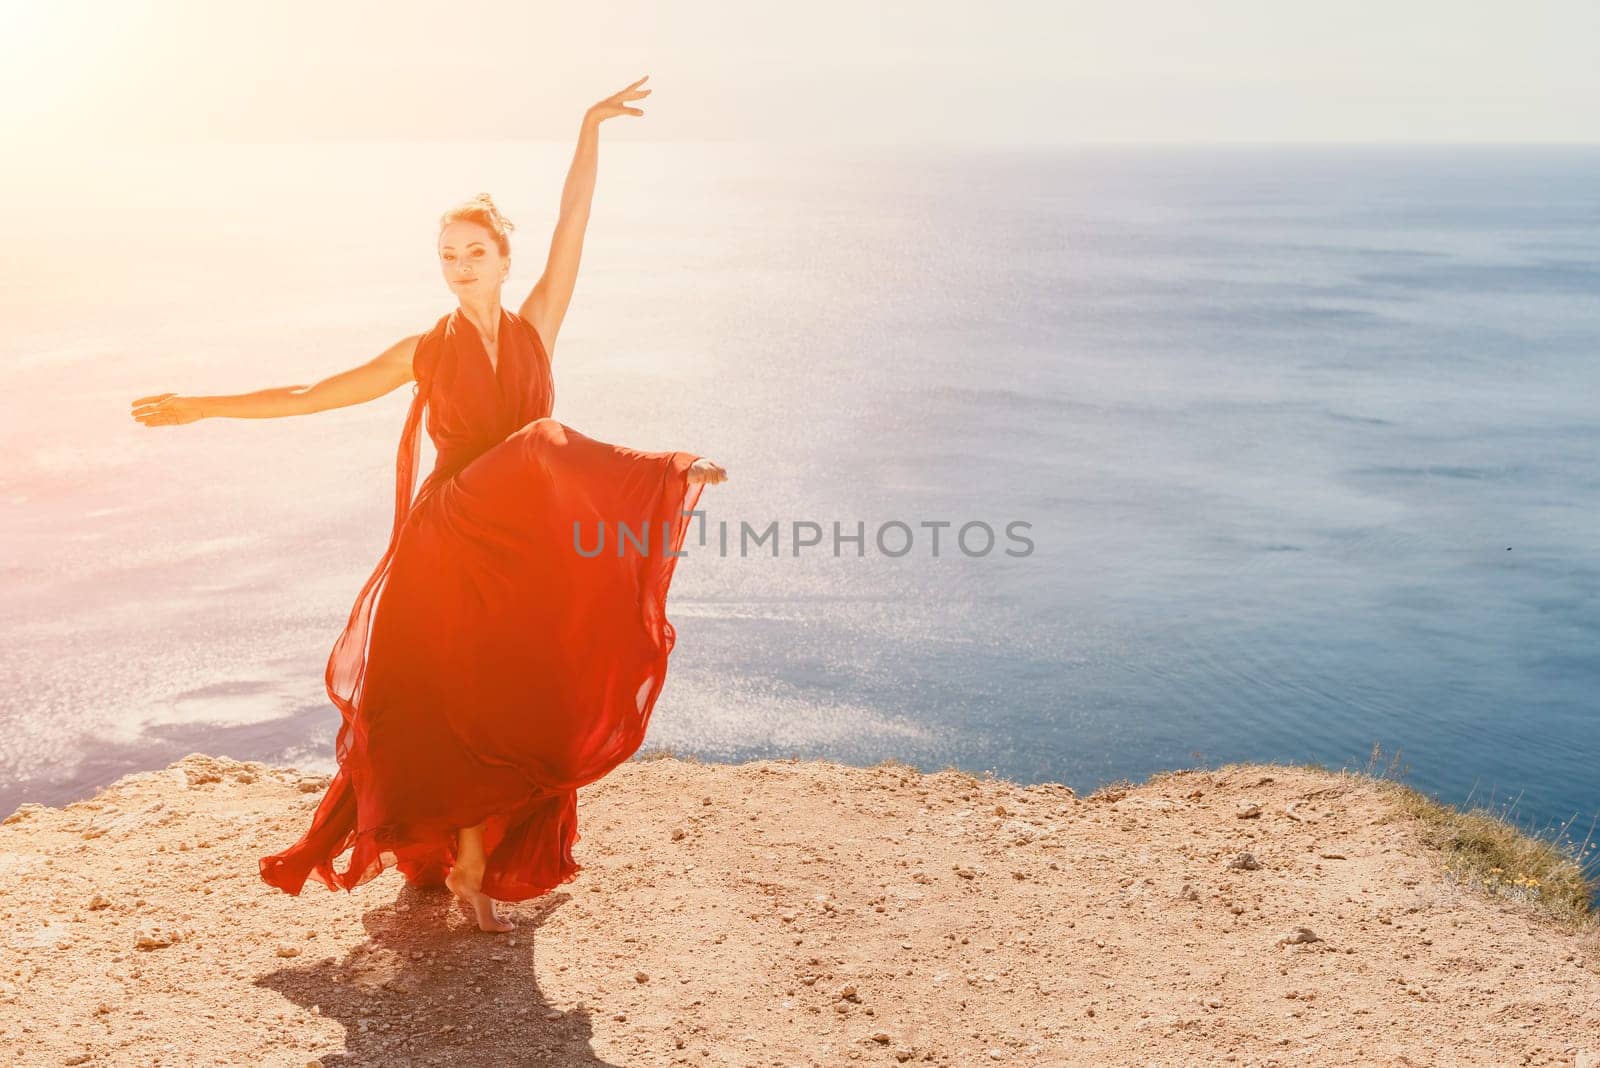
519, 320
528, 330
441, 325
426, 351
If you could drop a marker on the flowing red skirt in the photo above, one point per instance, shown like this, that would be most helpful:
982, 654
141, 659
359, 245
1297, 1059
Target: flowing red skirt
495, 661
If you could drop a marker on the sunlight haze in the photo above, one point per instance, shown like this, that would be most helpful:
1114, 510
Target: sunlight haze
827, 72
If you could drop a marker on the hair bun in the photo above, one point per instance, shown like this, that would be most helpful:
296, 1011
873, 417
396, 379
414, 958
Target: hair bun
481, 210
488, 204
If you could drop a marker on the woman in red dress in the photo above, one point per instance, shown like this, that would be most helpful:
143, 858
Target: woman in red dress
494, 661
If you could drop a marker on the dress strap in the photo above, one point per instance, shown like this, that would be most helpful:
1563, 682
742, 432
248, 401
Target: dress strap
405, 466
347, 664
424, 361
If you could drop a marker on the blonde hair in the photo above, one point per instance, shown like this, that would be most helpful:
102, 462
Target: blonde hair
481, 210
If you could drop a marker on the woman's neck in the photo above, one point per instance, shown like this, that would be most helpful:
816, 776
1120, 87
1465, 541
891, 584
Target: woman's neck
485, 315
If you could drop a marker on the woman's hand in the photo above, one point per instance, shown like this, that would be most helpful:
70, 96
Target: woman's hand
166, 409
616, 103
708, 471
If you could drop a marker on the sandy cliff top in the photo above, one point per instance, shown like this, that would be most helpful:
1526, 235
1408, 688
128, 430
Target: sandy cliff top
792, 913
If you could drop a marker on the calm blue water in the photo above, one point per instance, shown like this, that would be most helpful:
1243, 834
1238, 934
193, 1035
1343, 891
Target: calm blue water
1305, 438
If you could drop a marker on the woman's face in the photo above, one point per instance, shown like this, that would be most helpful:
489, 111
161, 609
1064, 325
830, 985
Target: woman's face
470, 259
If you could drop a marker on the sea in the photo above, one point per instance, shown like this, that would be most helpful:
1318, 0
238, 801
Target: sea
1232, 453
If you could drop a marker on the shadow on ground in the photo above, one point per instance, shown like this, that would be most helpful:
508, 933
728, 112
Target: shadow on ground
428, 988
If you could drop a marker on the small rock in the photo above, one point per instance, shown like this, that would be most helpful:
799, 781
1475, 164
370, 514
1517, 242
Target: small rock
98, 901
1248, 810
286, 950
1245, 862
677, 834
640, 977
23, 811
881, 1036
1292, 810
154, 938
1297, 935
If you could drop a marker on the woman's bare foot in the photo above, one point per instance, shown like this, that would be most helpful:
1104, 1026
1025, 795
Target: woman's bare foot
468, 887
708, 471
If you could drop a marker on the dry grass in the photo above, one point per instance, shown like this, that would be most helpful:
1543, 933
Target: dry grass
1488, 850
1479, 847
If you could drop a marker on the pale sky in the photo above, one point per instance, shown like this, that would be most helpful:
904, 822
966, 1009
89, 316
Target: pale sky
827, 71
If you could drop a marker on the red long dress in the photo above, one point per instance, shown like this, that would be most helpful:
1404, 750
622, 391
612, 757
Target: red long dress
494, 661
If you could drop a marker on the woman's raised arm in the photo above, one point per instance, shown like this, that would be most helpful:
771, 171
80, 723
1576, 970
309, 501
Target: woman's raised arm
546, 304
382, 374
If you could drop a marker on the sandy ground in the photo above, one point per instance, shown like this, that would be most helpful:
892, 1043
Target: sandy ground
790, 913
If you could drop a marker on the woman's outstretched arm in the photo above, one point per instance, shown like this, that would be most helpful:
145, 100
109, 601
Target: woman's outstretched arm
382, 374
546, 305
